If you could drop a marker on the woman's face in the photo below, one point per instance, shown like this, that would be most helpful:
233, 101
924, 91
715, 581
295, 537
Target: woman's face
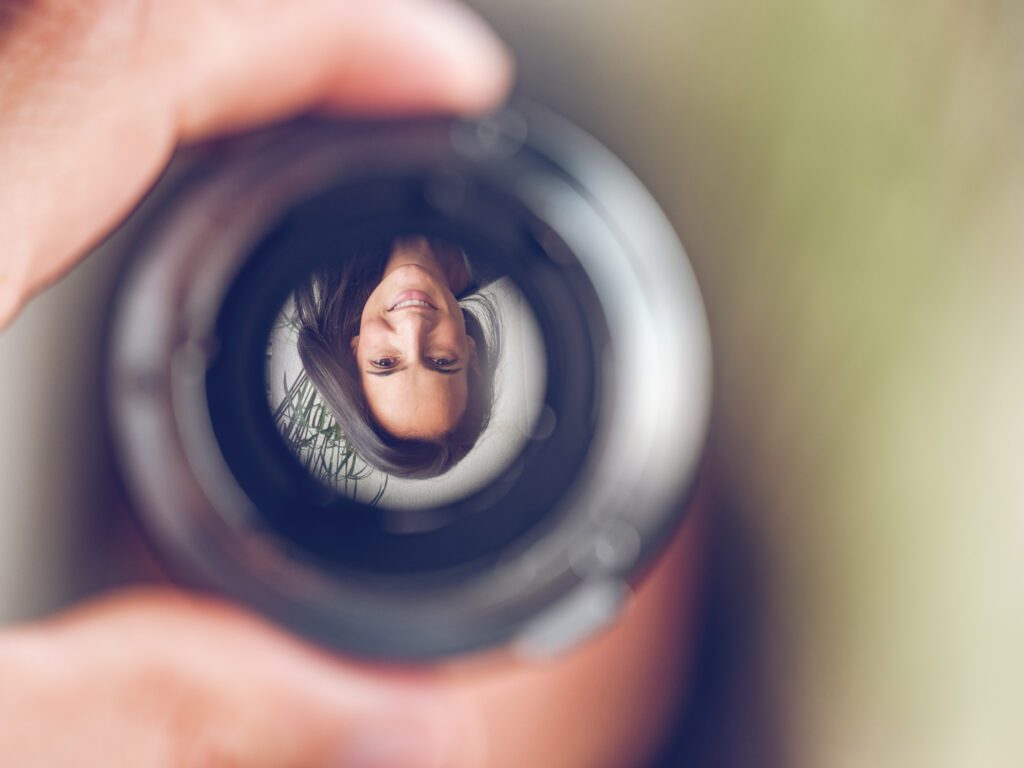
412, 348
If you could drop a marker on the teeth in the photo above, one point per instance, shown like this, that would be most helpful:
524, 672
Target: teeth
412, 303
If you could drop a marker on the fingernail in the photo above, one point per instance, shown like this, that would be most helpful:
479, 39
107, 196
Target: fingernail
403, 742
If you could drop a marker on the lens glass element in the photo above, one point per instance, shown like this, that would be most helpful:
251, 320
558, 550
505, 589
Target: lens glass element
404, 373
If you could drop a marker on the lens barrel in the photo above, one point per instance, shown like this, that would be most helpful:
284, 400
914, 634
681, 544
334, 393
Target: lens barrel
543, 554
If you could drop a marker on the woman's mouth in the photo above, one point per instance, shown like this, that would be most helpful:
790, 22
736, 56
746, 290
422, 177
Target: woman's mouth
411, 299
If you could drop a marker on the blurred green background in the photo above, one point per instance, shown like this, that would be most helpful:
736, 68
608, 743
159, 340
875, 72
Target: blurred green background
848, 178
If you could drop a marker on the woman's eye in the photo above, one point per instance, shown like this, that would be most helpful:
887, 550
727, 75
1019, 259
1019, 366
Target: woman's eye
444, 362
384, 362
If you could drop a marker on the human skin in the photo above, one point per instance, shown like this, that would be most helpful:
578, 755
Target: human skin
413, 352
94, 96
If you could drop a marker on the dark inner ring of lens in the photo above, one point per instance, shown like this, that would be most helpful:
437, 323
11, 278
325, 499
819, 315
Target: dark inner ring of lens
345, 535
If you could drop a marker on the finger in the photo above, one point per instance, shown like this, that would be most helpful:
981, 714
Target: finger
94, 97
155, 679
382, 56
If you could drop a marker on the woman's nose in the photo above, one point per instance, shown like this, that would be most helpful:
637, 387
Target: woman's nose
405, 321
412, 326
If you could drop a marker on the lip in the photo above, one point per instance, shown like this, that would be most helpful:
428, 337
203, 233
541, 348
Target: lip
411, 296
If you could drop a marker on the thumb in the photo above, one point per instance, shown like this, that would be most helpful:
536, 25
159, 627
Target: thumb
180, 681
95, 96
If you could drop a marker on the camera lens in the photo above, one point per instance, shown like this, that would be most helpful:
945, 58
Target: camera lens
405, 373
411, 387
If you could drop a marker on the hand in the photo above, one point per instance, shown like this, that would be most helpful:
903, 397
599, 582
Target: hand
151, 679
96, 94
154, 679
94, 97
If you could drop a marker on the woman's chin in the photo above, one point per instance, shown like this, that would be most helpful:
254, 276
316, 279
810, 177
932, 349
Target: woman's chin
412, 275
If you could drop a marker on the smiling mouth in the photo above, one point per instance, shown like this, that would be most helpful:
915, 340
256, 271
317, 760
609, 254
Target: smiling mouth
411, 300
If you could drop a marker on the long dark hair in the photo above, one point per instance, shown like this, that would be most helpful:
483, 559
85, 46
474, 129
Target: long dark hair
329, 307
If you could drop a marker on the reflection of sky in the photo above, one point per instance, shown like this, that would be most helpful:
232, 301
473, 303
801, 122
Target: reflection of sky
519, 392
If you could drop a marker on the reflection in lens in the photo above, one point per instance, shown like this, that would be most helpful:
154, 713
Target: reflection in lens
405, 361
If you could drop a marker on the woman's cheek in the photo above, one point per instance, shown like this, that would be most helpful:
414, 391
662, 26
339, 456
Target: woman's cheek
609, 703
